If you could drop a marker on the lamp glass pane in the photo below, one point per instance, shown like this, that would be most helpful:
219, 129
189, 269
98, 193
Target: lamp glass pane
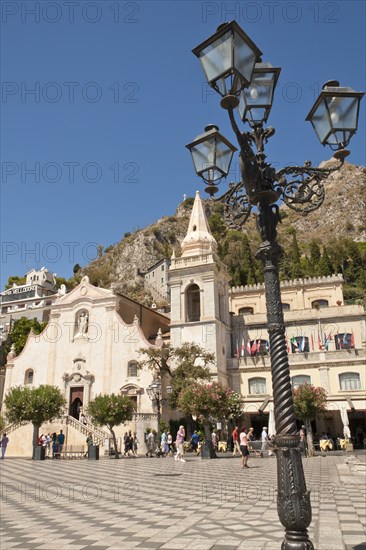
260, 91
223, 157
321, 121
244, 58
216, 58
203, 154
343, 112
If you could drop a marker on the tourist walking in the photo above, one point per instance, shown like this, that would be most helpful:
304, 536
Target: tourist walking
4, 443
265, 440
243, 439
250, 437
89, 442
235, 436
180, 444
195, 439
61, 441
135, 443
150, 443
164, 442
55, 453
170, 443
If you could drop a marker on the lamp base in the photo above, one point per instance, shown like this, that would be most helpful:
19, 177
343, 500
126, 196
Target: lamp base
341, 154
229, 102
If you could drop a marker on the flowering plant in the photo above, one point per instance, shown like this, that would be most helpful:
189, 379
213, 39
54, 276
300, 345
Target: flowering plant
211, 400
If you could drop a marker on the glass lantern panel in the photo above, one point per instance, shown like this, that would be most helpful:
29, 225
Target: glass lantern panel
343, 112
260, 91
321, 121
245, 58
339, 136
223, 157
256, 114
203, 154
216, 58
232, 84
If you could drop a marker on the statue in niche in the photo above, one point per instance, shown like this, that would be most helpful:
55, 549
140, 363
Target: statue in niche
83, 322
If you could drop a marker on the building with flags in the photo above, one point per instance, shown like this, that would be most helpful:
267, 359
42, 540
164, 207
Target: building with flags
326, 342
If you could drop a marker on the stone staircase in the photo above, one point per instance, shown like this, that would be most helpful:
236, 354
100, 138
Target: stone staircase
99, 435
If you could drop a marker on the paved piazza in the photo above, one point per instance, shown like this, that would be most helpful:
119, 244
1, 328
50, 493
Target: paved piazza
159, 503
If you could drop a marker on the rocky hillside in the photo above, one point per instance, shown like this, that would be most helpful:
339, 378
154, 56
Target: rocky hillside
343, 215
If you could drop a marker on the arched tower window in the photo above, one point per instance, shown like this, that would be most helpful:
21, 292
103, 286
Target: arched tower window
246, 311
28, 377
193, 301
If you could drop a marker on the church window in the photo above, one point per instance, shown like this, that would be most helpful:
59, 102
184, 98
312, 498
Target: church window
257, 385
350, 381
28, 377
132, 369
193, 303
296, 381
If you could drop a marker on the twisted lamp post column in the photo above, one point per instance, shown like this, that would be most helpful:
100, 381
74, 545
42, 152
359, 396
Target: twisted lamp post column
232, 64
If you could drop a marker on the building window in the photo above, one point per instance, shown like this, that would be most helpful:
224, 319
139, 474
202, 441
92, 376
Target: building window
132, 369
28, 377
286, 307
319, 303
193, 303
162, 280
162, 267
246, 311
257, 385
349, 381
344, 340
296, 381
300, 344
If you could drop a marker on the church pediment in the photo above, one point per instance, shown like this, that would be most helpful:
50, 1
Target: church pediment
85, 290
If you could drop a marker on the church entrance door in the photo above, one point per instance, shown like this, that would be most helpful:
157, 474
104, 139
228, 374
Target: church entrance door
76, 401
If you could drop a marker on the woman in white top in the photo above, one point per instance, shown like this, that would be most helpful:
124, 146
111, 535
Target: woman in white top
243, 439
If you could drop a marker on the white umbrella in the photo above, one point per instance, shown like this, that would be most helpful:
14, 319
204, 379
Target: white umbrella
271, 421
345, 420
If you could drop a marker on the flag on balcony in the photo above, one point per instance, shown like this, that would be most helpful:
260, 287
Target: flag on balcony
253, 350
326, 342
249, 347
287, 345
312, 343
294, 342
345, 340
339, 342
320, 345
303, 344
242, 347
267, 346
352, 339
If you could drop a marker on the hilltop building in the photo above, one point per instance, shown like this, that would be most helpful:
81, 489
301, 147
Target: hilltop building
92, 340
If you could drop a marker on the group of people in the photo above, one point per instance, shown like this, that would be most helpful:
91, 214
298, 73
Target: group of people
130, 443
56, 441
242, 443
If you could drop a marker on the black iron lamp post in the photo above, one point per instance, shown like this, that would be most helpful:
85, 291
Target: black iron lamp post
154, 391
334, 117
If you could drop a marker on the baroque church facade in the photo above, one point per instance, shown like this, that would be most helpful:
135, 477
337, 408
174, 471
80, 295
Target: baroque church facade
92, 341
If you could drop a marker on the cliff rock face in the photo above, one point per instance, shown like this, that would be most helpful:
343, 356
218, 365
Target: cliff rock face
343, 214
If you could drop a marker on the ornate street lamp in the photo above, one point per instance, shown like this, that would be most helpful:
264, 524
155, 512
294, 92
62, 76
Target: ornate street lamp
334, 117
154, 391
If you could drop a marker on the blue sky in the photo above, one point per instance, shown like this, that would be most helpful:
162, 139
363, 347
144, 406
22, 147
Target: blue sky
98, 148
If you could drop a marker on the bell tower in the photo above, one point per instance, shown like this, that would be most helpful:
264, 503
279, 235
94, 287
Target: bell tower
199, 285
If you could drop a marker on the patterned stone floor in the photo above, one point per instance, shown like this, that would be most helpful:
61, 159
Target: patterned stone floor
159, 503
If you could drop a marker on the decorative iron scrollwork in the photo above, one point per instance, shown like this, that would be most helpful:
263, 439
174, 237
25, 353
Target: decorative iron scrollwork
304, 192
236, 205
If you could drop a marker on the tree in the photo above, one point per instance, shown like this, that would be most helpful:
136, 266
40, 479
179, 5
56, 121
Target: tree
210, 402
76, 268
111, 410
295, 254
35, 405
309, 402
15, 279
2, 423
20, 331
325, 267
